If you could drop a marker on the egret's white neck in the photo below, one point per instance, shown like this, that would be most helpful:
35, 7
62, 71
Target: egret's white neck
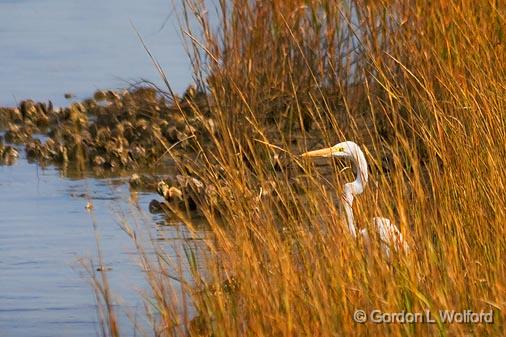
356, 187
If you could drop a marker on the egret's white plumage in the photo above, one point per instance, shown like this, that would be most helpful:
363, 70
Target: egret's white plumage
389, 234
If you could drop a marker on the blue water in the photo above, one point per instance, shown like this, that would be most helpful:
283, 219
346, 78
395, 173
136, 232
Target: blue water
45, 230
48, 48
51, 47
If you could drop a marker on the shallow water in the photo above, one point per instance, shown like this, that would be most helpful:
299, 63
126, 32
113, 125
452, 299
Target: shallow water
51, 47
45, 230
48, 48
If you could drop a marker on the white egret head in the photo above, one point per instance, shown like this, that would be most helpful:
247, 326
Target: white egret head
342, 150
348, 150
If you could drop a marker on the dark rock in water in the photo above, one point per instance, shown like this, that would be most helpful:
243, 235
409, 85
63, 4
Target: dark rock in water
18, 134
34, 149
144, 182
103, 268
189, 193
28, 109
10, 115
8, 155
155, 206
170, 193
33, 113
185, 191
126, 130
135, 181
99, 95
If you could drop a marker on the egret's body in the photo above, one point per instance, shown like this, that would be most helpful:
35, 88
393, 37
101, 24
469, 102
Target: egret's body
389, 234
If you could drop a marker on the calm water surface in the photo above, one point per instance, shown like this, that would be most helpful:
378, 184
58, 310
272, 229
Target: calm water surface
50, 47
45, 230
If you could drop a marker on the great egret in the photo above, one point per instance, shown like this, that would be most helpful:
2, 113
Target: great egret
389, 234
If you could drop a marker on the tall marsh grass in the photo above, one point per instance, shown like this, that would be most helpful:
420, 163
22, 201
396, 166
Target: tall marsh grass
420, 85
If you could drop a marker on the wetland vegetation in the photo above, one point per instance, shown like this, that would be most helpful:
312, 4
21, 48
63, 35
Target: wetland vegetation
419, 85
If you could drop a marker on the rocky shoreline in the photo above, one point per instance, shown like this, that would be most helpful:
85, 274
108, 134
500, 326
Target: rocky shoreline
131, 131
128, 129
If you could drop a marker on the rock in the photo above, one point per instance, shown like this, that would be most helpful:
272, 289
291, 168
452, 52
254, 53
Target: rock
34, 149
10, 115
155, 206
99, 161
144, 182
8, 155
180, 195
100, 95
18, 134
114, 129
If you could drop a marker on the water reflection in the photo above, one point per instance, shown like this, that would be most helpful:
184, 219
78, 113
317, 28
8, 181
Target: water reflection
45, 229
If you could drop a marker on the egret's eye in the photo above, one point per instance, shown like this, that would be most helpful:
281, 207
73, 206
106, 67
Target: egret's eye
340, 149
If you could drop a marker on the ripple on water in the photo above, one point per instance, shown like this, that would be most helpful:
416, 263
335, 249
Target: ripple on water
45, 229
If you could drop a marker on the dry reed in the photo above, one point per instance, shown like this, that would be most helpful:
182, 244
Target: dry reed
420, 85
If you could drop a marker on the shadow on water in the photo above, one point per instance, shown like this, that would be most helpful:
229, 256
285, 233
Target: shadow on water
46, 229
